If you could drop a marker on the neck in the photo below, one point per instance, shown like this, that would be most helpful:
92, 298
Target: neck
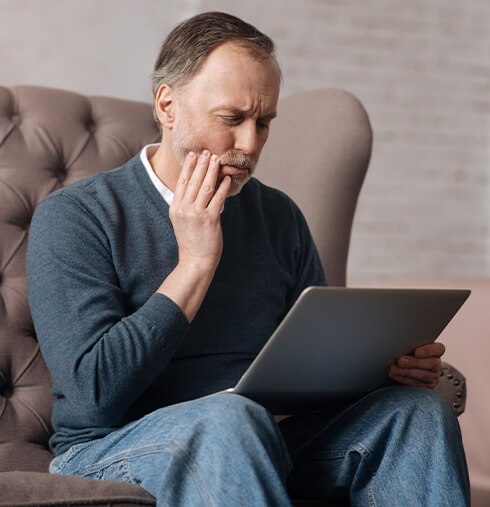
165, 164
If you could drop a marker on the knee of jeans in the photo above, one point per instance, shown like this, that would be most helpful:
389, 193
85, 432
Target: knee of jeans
425, 404
238, 414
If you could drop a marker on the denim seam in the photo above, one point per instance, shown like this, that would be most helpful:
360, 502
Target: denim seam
152, 449
68, 455
125, 467
320, 456
371, 498
366, 456
189, 464
122, 456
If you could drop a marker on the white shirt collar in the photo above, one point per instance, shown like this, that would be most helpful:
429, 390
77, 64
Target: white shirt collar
163, 190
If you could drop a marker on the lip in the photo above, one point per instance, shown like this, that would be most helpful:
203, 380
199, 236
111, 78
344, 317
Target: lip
234, 170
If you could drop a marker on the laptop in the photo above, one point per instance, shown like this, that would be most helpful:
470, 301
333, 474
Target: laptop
338, 343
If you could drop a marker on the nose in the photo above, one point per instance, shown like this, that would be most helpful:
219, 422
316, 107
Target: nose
246, 137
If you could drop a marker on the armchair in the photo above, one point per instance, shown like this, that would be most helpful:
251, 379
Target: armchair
318, 152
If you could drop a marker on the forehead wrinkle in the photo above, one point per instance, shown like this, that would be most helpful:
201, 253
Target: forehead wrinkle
247, 101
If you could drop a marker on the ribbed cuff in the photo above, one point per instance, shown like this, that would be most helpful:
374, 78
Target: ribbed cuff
162, 313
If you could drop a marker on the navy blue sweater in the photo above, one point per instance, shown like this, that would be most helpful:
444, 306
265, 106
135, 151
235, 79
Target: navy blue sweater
99, 249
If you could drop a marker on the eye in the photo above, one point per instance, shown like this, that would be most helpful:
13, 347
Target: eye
232, 120
262, 125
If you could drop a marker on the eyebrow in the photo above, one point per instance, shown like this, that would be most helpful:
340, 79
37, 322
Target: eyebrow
238, 111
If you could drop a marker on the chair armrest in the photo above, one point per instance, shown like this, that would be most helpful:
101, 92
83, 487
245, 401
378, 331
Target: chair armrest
452, 386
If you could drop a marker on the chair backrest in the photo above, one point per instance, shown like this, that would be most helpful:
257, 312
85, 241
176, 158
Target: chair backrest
318, 153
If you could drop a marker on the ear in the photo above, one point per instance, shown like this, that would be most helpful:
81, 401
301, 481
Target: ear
165, 105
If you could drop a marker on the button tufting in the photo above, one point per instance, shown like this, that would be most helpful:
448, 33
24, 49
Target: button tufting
15, 119
7, 391
60, 175
91, 127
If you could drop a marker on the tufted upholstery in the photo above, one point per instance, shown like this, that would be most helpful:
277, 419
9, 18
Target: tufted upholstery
48, 139
318, 152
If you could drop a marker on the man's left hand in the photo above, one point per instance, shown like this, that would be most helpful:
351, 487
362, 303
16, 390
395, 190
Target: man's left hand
422, 369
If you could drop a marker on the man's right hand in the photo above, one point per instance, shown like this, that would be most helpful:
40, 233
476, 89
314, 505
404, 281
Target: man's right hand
195, 210
195, 216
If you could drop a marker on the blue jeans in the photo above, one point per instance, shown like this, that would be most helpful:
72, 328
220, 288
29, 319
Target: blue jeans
397, 446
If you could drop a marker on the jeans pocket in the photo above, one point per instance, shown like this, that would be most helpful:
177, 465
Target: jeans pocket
115, 471
61, 464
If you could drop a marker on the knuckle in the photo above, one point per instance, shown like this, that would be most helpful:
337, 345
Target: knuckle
435, 365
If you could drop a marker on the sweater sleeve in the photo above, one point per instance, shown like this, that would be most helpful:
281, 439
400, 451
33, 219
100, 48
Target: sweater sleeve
100, 358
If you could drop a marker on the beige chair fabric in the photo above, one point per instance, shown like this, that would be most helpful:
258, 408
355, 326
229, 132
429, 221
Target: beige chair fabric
318, 152
48, 139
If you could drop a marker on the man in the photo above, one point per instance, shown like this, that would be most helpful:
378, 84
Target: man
154, 286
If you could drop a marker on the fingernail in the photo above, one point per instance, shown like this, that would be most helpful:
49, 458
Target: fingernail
205, 153
404, 362
191, 155
214, 159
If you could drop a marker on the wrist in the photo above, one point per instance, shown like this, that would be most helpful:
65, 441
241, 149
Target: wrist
198, 265
187, 285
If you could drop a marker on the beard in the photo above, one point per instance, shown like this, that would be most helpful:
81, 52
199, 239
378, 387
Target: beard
185, 141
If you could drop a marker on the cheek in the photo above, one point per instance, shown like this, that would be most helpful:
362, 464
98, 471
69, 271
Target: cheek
261, 141
219, 140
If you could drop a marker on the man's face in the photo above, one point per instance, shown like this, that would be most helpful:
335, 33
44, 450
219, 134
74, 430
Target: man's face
227, 108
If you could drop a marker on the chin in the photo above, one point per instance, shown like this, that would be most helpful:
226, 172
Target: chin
236, 185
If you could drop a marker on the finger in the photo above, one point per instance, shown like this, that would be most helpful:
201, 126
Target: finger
436, 349
197, 177
411, 382
413, 375
208, 187
218, 199
411, 362
185, 175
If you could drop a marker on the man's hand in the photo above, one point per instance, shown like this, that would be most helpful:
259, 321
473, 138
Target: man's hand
422, 369
195, 216
195, 210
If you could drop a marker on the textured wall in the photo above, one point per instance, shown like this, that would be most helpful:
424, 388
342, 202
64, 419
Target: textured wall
102, 47
422, 69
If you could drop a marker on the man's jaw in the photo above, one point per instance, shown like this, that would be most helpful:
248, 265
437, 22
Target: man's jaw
239, 177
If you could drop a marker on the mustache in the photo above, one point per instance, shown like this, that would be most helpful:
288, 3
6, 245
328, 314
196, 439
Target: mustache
237, 158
